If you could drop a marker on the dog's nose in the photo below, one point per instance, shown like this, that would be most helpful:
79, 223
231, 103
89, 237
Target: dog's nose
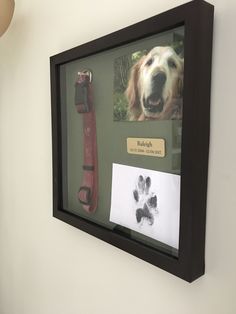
159, 79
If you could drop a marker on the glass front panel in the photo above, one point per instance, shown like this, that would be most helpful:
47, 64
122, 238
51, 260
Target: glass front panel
138, 98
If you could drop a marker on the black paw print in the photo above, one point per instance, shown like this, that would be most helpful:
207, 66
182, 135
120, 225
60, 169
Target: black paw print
146, 201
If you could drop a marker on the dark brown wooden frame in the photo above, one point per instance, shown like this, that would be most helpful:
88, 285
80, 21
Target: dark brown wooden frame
197, 17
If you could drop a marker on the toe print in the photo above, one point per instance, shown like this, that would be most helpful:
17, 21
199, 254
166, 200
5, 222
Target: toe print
152, 201
148, 184
141, 184
136, 195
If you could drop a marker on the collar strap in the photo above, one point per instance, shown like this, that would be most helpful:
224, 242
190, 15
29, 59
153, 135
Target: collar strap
88, 192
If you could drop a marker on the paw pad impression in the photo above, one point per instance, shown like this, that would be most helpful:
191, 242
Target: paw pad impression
145, 200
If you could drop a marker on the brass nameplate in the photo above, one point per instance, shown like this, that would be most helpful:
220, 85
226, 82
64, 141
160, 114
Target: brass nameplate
146, 146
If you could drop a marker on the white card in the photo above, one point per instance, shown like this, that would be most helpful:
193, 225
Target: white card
146, 201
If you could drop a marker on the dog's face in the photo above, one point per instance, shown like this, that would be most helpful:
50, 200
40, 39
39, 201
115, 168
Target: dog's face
158, 80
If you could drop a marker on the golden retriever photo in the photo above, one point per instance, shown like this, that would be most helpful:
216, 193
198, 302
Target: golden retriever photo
152, 87
155, 86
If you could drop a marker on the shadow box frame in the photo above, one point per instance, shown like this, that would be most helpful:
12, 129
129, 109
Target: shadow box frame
197, 18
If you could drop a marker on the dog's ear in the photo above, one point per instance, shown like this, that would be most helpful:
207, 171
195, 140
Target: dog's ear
180, 86
181, 80
132, 91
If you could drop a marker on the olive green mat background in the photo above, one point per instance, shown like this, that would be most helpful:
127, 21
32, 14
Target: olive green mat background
111, 135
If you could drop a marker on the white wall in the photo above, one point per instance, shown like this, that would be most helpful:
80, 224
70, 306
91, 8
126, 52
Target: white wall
49, 267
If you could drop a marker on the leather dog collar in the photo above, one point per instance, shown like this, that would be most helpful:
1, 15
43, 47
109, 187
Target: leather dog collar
88, 192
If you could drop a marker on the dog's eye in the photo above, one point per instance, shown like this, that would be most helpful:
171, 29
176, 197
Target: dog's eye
149, 62
172, 64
